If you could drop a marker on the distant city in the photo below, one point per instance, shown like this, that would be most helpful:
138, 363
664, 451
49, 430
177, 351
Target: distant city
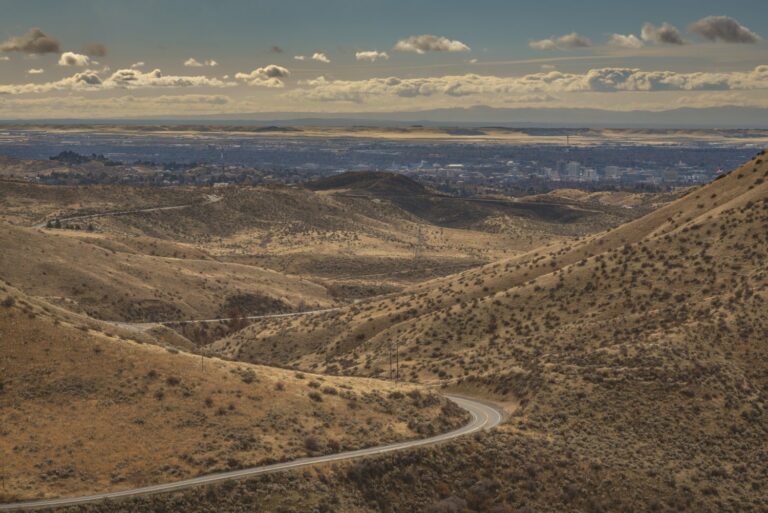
229, 158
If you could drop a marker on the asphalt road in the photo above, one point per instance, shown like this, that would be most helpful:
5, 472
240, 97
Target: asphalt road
484, 417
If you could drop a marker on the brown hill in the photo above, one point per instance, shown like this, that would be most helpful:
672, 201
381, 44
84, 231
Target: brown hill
83, 411
149, 280
638, 353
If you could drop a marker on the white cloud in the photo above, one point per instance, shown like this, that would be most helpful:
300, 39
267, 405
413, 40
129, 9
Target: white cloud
371, 56
91, 80
35, 71
430, 43
4, 58
723, 28
268, 76
320, 57
74, 59
137, 65
625, 41
543, 83
299, 57
566, 42
665, 34
194, 63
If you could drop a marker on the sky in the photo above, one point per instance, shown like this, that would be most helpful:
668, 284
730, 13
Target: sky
141, 58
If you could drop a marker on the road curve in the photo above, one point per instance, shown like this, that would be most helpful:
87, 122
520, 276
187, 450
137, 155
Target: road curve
484, 417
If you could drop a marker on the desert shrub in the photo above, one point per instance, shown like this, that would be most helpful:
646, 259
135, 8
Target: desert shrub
450, 504
9, 302
279, 386
315, 397
312, 443
173, 380
329, 390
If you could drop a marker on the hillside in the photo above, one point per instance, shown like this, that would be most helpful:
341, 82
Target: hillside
531, 216
175, 253
638, 353
84, 410
147, 281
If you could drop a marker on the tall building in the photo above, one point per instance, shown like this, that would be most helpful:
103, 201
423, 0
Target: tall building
573, 169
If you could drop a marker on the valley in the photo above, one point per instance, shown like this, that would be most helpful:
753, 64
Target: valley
359, 300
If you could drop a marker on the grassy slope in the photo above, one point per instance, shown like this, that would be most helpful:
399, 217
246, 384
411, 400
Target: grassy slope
106, 279
83, 411
638, 356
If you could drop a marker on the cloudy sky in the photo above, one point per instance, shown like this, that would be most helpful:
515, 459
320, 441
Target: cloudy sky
101, 58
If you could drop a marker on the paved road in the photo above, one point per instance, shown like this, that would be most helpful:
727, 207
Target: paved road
142, 326
484, 417
210, 198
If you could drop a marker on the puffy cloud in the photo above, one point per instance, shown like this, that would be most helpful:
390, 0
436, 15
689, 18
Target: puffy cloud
90, 80
430, 43
299, 58
133, 78
194, 63
137, 65
371, 56
35, 71
268, 76
33, 42
536, 84
625, 41
95, 50
723, 28
566, 42
665, 34
74, 59
320, 57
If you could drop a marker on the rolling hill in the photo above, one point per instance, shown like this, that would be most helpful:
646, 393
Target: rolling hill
637, 356
84, 409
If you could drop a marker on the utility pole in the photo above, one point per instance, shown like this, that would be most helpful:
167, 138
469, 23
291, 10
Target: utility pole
417, 250
397, 362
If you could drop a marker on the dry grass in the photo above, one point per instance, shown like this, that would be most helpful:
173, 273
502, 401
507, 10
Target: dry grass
82, 411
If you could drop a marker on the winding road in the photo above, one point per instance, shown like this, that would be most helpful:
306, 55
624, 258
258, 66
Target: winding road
484, 417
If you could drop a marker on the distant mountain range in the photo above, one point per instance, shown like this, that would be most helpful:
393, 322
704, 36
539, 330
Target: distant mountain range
480, 115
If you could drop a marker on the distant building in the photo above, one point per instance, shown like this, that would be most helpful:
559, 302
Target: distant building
573, 169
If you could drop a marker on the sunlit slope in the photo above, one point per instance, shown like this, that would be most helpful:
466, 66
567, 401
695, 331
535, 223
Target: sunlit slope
671, 270
94, 274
